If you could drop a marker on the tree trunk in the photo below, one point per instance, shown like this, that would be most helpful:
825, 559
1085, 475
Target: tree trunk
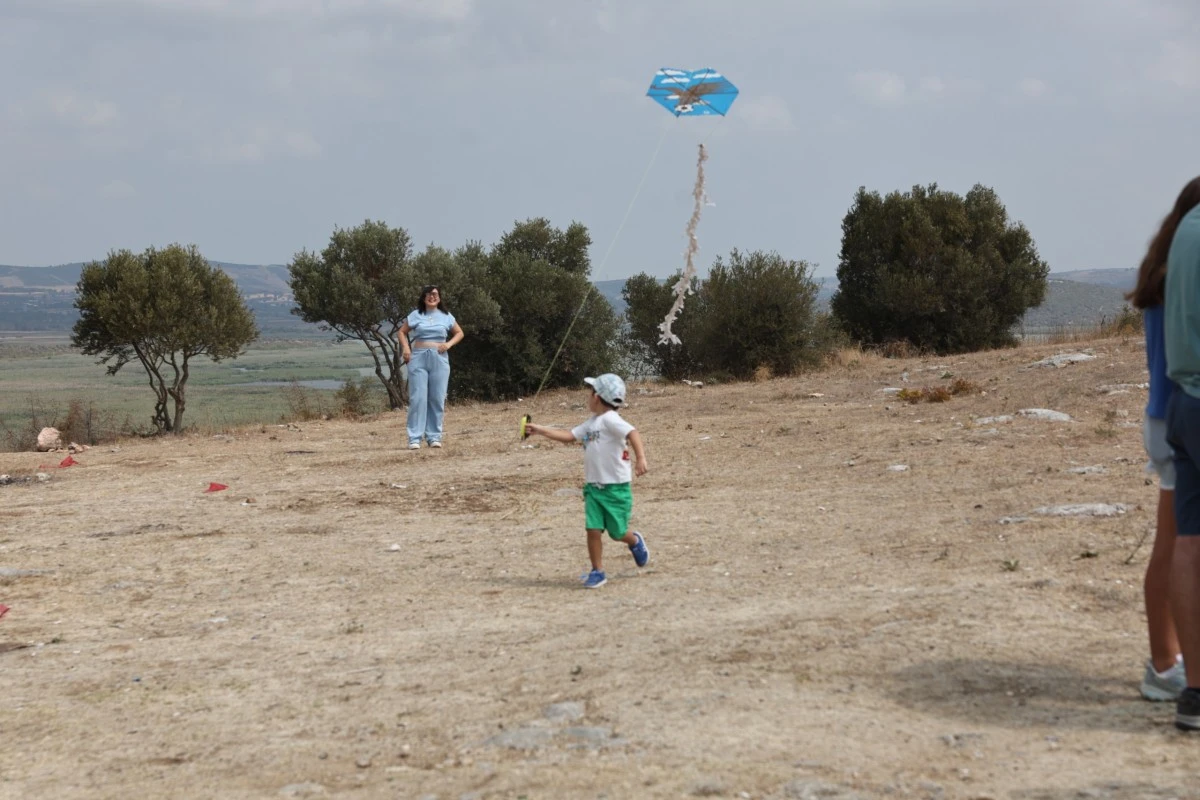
162, 417
177, 392
385, 351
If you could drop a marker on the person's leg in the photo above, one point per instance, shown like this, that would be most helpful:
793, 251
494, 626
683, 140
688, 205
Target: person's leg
593, 521
1183, 434
1164, 641
620, 508
439, 381
418, 387
595, 539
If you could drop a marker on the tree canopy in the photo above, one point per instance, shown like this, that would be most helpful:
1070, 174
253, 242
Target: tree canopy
163, 308
754, 310
360, 287
538, 278
944, 272
515, 302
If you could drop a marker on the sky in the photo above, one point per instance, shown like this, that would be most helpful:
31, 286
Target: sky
254, 128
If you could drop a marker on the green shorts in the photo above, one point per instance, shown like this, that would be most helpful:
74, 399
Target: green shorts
608, 506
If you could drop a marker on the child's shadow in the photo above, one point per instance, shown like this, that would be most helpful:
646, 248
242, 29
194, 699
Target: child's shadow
1018, 695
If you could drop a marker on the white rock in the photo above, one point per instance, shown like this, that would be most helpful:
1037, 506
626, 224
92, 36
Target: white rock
994, 420
898, 468
1064, 359
49, 439
1045, 413
1084, 510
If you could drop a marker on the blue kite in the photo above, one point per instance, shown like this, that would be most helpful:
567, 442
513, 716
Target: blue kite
692, 93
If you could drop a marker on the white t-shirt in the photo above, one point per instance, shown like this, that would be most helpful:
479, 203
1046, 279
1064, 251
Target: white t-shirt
605, 459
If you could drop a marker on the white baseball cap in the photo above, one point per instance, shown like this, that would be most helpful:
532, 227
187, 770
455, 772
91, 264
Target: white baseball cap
610, 388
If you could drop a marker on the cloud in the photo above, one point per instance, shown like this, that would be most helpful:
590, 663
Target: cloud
1178, 65
117, 190
879, 87
81, 112
292, 10
1034, 87
301, 144
766, 113
252, 145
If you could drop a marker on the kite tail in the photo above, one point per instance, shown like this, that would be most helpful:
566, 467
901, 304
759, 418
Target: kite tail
683, 286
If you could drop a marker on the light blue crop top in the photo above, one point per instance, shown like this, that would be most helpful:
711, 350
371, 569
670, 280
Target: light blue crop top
434, 326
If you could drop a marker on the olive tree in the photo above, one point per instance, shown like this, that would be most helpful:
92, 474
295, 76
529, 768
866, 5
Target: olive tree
360, 286
162, 308
945, 272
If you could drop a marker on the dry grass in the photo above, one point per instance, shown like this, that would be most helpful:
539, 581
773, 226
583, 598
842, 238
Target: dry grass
813, 619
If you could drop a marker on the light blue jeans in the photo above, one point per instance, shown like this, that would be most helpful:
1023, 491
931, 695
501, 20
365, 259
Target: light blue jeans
428, 378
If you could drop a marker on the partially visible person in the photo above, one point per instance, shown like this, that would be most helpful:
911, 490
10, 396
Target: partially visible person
432, 331
1164, 677
1181, 339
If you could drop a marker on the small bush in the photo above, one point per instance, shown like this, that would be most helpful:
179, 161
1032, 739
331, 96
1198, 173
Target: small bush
900, 348
303, 404
1127, 322
961, 386
355, 399
937, 394
82, 423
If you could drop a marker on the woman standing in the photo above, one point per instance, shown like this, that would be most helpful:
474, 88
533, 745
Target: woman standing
433, 331
1165, 676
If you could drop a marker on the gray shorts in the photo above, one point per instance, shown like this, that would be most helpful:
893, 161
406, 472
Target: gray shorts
1162, 457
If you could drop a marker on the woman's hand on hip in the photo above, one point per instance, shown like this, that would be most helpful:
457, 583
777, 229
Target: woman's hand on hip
443, 347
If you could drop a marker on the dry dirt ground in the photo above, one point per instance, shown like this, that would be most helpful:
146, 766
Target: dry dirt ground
351, 619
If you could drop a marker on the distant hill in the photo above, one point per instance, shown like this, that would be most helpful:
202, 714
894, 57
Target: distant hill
250, 278
1121, 278
42, 298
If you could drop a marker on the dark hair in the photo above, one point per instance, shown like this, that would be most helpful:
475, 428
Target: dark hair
603, 402
1152, 274
441, 306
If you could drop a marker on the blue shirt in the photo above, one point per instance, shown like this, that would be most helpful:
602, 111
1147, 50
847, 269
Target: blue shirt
1156, 360
432, 327
1181, 311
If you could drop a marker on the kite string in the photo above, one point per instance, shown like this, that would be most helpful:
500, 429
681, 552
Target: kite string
591, 286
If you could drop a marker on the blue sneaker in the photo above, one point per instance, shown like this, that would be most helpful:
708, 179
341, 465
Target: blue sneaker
595, 580
641, 554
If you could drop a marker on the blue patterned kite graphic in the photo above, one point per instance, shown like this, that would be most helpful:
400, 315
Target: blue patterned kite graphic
692, 93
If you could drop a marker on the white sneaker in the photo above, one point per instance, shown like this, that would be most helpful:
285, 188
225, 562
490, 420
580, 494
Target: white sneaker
1162, 686
414, 445
435, 444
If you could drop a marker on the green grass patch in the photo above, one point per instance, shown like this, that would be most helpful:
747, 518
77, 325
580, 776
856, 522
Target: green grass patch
40, 379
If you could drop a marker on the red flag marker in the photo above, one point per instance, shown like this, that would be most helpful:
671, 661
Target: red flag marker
68, 462
215, 487
3, 611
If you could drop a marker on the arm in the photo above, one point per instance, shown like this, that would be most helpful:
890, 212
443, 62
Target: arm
641, 466
557, 434
453, 340
403, 337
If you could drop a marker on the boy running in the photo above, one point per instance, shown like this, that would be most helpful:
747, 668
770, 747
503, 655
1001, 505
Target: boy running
607, 491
